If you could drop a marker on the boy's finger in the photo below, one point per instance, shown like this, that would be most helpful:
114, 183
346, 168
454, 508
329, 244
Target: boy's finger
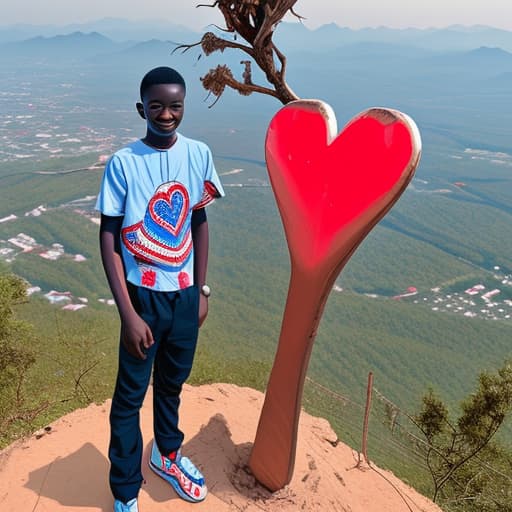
148, 340
138, 351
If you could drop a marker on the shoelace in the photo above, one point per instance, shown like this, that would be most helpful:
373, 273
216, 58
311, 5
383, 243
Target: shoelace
189, 467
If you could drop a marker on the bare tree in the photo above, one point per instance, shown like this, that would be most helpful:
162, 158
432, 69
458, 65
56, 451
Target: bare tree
254, 21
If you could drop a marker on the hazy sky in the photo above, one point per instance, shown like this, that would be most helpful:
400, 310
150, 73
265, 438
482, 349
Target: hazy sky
352, 13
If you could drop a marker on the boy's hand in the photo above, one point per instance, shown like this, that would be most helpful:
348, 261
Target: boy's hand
136, 336
203, 308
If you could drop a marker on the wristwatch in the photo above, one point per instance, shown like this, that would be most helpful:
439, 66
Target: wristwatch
205, 290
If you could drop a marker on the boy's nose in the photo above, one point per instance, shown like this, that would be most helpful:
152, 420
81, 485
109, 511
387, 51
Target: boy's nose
166, 113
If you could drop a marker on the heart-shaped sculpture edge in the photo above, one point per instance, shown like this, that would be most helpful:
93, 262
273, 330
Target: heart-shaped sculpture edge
273, 455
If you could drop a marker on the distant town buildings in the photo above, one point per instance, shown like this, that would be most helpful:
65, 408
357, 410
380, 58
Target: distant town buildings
8, 218
66, 300
36, 212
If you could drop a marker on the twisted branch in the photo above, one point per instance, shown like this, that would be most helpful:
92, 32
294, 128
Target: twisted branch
255, 21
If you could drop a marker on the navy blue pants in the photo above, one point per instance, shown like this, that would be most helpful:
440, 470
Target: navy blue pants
173, 320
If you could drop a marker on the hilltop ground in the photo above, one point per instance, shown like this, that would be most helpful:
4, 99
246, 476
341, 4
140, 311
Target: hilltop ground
65, 467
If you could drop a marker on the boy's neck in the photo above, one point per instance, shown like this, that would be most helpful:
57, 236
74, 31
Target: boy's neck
157, 142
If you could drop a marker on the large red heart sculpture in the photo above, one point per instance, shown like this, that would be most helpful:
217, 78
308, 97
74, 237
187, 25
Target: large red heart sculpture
330, 192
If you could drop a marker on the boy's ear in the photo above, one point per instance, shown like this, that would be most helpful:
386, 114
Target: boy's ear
140, 109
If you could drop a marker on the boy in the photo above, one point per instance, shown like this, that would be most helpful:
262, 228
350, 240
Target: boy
154, 249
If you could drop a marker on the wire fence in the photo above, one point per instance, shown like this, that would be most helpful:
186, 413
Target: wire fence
392, 440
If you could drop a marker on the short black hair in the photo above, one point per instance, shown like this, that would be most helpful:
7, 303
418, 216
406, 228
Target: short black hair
160, 75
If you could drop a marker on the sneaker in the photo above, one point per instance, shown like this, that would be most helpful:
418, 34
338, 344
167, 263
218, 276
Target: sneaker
180, 472
131, 506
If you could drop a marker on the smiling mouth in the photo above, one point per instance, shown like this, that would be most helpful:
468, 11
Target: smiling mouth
166, 126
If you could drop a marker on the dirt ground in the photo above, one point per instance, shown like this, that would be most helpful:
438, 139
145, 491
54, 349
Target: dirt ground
66, 469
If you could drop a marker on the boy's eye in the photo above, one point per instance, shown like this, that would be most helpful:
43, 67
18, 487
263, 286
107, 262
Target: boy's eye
157, 107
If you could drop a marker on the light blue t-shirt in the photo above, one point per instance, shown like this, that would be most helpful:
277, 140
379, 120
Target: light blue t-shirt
156, 191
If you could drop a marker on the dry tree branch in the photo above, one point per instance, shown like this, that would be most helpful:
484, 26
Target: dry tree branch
218, 78
211, 43
247, 74
255, 21
26, 416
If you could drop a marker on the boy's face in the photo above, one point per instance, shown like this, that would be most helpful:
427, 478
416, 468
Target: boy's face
162, 107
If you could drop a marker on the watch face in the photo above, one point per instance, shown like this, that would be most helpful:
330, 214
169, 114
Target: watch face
205, 290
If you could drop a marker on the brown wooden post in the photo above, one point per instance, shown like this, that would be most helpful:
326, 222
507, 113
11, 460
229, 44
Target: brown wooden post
364, 448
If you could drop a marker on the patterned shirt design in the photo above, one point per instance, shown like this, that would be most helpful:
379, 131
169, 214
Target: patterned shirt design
156, 191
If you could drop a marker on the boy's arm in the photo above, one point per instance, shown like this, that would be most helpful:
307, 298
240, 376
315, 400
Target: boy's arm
135, 333
200, 238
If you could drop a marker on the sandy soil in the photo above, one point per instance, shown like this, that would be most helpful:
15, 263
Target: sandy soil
66, 469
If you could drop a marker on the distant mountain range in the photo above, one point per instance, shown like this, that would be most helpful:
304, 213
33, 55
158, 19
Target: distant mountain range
115, 29
75, 45
316, 58
291, 36
296, 35
326, 47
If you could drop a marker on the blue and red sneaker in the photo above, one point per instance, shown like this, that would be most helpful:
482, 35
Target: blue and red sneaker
180, 472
